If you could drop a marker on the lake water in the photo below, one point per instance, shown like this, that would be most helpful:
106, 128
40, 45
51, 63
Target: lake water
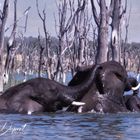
70, 126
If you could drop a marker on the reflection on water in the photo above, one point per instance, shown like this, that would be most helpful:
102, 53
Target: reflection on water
70, 126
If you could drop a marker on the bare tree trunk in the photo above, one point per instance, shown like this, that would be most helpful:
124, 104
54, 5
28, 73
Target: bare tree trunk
138, 69
11, 47
126, 37
40, 56
63, 28
81, 50
115, 42
81, 28
102, 50
76, 19
102, 23
47, 37
3, 19
81, 31
115, 35
59, 68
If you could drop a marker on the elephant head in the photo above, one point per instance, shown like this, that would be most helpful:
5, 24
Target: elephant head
106, 93
131, 83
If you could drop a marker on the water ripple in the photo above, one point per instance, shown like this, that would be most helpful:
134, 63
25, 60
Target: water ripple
71, 126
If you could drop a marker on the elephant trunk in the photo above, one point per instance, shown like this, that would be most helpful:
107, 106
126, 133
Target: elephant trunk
78, 91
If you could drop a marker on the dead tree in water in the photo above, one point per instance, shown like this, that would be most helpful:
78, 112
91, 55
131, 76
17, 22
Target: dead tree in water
76, 44
116, 16
47, 42
102, 22
81, 28
3, 19
41, 47
107, 12
124, 46
64, 26
29, 56
12, 44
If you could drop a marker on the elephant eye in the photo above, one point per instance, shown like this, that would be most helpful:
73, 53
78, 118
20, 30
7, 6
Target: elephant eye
119, 76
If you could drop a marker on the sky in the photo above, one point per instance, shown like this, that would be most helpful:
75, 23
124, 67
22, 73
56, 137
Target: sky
35, 24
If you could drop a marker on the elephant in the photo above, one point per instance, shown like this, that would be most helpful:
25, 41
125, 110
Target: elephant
43, 95
133, 101
106, 92
133, 84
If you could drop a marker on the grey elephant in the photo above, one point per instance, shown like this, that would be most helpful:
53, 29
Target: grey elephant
43, 95
106, 93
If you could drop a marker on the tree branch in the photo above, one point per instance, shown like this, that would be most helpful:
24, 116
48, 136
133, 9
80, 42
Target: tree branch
111, 8
96, 18
124, 10
5, 9
38, 10
25, 13
0, 14
12, 37
80, 8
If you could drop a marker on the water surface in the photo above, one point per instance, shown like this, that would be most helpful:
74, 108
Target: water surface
70, 126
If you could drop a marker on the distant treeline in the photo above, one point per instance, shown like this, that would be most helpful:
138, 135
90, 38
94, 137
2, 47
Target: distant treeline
27, 55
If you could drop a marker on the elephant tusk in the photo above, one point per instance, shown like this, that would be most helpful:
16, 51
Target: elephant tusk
136, 88
78, 103
29, 112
